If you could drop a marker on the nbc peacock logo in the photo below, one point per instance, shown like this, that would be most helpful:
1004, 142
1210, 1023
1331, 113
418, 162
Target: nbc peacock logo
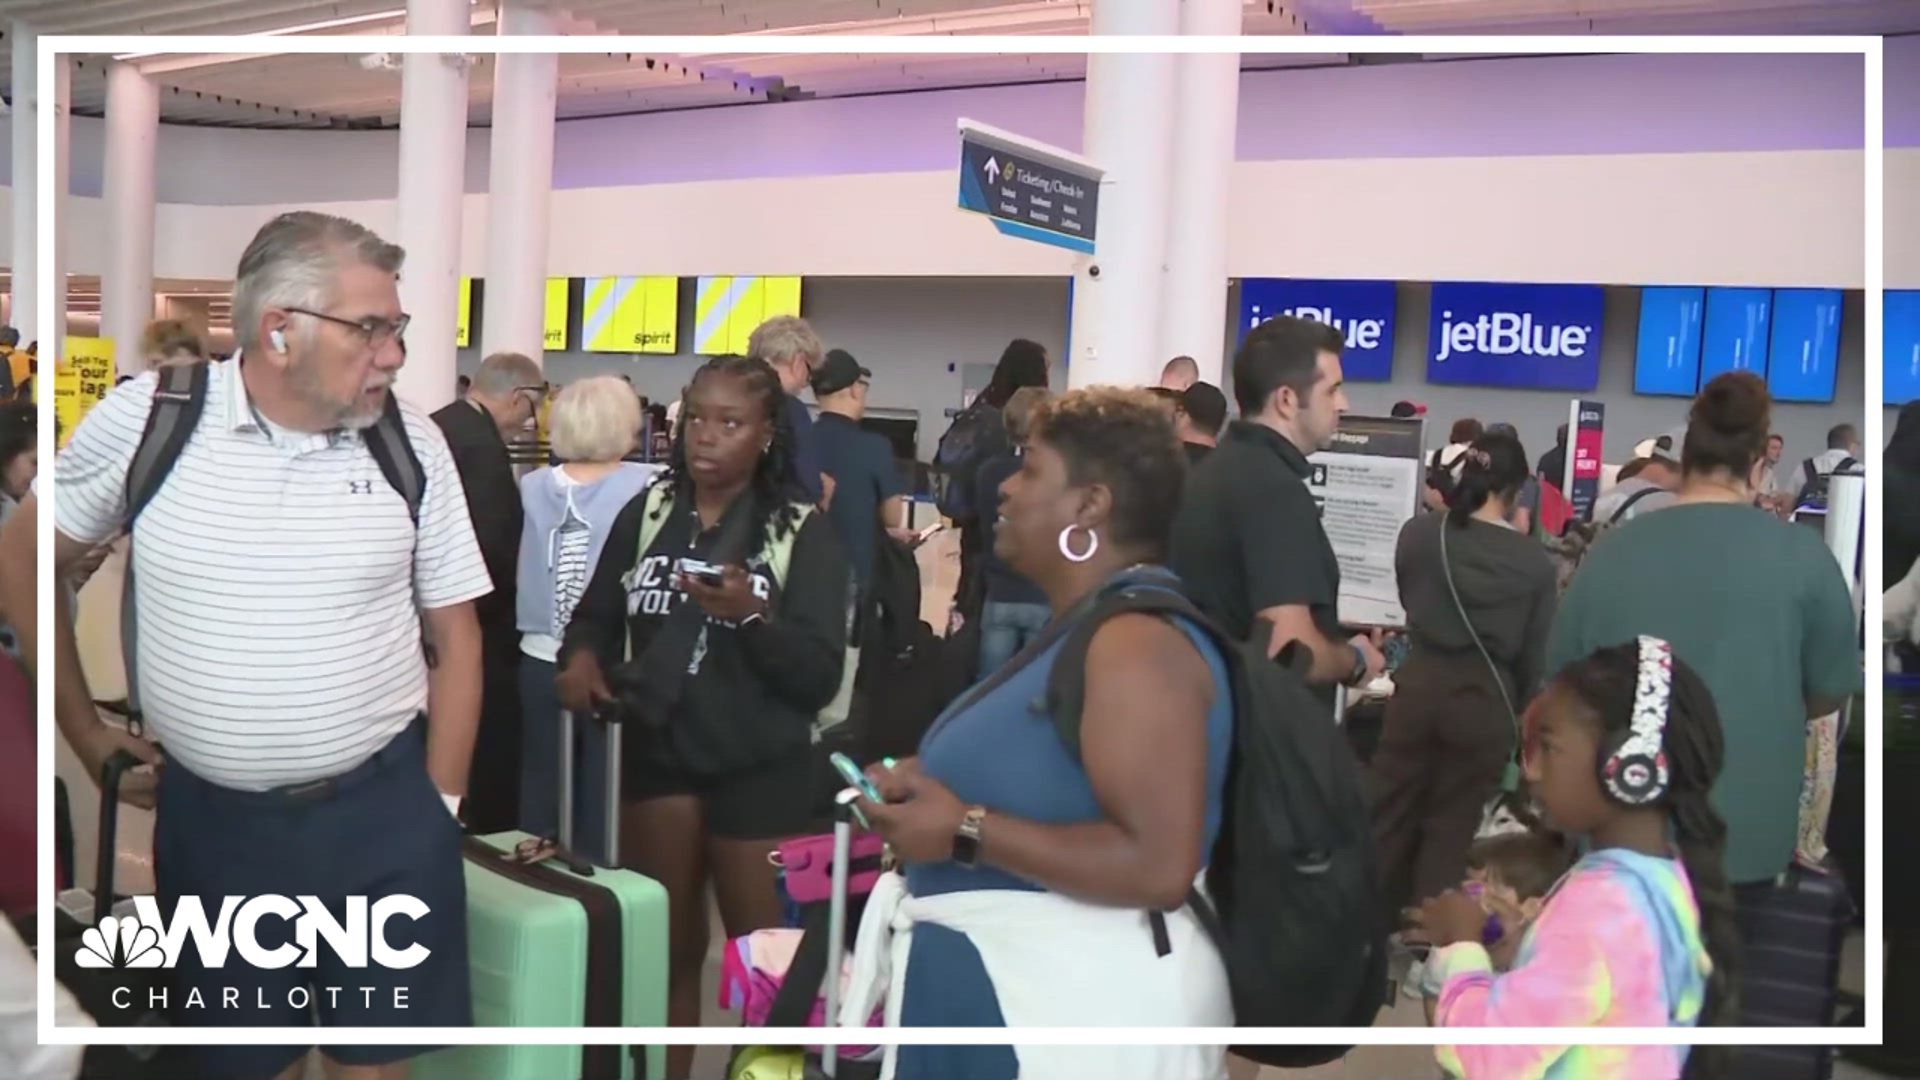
120, 943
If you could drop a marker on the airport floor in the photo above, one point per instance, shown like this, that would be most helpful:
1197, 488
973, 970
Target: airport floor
99, 646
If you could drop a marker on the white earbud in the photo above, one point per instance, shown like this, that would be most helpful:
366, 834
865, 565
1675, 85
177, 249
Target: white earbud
279, 340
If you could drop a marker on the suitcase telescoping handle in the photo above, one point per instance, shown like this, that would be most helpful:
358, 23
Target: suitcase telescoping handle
611, 856
837, 921
111, 771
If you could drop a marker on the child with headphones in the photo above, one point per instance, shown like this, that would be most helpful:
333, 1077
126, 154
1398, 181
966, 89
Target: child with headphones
1621, 752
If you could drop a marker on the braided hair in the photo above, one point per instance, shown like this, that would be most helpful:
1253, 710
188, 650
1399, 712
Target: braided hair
1606, 682
775, 487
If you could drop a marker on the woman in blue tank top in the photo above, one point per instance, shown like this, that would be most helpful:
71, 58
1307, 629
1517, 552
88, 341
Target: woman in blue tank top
1030, 869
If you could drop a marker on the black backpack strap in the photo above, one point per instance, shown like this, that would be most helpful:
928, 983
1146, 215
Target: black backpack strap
1614, 518
392, 450
179, 399
1067, 682
793, 1003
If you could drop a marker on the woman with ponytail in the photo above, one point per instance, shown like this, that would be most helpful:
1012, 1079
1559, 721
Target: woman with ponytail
1479, 598
715, 627
1622, 751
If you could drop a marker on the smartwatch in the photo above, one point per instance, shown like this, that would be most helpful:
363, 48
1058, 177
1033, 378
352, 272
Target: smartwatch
966, 838
1359, 672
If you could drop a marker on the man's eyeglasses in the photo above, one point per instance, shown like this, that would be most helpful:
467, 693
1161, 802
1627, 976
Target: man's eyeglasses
374, 330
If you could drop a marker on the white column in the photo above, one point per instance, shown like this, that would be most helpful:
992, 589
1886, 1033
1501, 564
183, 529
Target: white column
126, 285
1129, 121
25, 316
1206, 112
433, 159
53, 278
1129, 133
520, 187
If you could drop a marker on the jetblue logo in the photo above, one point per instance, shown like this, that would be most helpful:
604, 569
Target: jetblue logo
1509, 333
1363, 312
1539, 337
1360, 333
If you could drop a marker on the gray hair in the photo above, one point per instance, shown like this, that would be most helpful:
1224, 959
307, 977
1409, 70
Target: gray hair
504, 372
594, 419
292, 263
784, 339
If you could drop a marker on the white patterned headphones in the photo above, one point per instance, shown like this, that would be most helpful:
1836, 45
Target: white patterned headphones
1634, 770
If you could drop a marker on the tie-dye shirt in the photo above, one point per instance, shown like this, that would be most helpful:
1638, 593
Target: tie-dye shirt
1617, 945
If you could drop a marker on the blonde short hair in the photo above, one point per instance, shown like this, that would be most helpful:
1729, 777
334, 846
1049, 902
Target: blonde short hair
594, 419
1018, 415
784, 339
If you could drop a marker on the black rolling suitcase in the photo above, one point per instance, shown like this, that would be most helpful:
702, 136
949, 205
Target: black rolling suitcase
95, 988
1792, 931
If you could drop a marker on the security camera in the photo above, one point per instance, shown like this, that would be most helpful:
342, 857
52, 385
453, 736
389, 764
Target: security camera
1094, 270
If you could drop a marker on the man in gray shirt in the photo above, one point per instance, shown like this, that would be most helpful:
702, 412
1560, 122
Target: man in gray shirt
1646, 483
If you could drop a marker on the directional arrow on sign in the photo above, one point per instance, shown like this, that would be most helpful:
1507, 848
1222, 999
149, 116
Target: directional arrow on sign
993, 171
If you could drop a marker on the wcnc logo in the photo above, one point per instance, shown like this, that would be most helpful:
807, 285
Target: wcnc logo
146, 940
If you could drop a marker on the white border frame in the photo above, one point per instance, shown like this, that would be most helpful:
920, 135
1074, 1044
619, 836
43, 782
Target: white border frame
1870, 48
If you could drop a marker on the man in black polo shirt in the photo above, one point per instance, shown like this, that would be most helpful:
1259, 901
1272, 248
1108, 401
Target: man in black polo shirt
1247, 539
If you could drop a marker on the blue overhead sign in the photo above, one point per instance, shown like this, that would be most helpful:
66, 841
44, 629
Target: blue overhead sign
1900, 375
1030, 191
1804, 349
1735, 339
1361, 310
1536, 337
1667, 360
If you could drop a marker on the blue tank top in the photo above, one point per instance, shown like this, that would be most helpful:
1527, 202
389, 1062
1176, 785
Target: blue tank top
1002, 751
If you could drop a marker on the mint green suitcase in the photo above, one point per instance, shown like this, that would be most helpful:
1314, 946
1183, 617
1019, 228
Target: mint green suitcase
551, 947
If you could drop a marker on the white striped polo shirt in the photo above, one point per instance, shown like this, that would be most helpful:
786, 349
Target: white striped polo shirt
278, 576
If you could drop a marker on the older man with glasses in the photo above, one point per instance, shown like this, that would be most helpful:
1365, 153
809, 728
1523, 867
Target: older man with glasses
504, 396
312, 752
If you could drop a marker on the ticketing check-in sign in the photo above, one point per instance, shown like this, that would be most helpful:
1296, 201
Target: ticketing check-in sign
1031, 190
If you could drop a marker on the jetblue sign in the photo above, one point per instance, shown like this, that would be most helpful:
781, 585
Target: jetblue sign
1361, 310
1535, 337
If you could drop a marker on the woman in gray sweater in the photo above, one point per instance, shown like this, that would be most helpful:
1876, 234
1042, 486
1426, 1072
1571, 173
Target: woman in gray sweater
1479, 596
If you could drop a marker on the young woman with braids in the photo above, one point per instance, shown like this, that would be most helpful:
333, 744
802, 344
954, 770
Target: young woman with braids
729, 592
1622, 749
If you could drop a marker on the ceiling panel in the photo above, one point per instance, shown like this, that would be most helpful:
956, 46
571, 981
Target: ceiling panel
353, 91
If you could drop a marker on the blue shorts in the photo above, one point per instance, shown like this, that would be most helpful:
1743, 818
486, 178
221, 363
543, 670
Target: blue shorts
377, 831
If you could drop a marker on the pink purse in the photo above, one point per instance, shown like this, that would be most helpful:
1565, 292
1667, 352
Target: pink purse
806, 866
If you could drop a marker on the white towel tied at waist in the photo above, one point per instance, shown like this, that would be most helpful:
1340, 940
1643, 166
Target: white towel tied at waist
1057, 962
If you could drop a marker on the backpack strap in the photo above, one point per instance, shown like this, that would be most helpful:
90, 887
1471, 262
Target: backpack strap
179, 400
392, 450
653, 514
1067, 681
1614, 518
179, 397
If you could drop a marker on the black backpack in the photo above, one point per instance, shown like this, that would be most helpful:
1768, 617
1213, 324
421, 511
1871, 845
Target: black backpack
1813, 491
1294, 881
975, 436
179, 398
